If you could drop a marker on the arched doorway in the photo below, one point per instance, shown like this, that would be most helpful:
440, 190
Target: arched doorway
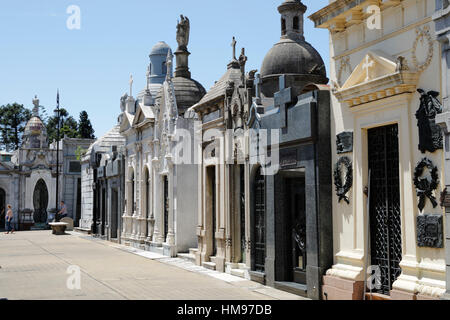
40, 202
2, 208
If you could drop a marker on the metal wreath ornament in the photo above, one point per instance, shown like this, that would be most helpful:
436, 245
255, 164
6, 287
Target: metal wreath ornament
424, 187
343, 188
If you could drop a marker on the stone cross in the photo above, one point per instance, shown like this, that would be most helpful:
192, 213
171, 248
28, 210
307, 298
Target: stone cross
281, 99
233, 44
366, 66
131, 85
148, 76
257, 83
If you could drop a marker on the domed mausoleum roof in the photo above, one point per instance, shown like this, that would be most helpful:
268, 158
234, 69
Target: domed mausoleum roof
35, 132
160, 48
157, 70
34, 127
187, 92
292, 55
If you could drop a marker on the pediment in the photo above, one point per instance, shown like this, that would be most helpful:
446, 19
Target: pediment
125, 120
374, 65
376, 77
139, 116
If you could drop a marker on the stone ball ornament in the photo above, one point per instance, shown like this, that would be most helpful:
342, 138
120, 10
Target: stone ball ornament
425, 187
343, 187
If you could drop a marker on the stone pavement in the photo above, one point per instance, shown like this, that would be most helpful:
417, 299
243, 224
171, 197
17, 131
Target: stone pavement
34, 266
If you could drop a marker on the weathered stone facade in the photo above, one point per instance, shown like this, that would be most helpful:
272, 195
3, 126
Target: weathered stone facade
28, 177
160, 214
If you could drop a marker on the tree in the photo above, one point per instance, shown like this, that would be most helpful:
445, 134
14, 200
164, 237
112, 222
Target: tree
13, 119
85, 130
68, 126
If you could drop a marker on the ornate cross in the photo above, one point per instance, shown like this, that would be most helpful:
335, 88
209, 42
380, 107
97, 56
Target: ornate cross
366, 66
131, 85
281, 99
149, 71
233, 44
257, 82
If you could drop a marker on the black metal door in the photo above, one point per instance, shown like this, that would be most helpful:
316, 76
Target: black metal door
214, 210
114, 214
103, 218
296, 229
2, 209
385, 216
259, 227
242, 210
166, 207
40, 202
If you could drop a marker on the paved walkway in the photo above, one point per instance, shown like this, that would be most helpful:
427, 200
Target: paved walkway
34, 266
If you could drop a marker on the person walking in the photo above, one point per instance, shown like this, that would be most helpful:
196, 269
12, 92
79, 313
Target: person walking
9, 219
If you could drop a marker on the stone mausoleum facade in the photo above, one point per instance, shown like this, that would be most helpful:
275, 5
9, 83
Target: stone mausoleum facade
28, 177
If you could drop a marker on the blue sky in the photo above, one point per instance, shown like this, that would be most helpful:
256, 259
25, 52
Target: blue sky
91, 66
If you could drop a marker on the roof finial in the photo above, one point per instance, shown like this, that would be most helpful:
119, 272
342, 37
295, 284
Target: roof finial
131, 85
233, 45
36, 106
169, 63
149, 72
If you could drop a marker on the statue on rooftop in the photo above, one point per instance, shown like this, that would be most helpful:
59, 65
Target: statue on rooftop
183, 30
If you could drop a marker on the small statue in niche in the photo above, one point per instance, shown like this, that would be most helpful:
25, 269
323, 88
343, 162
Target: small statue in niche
430, 135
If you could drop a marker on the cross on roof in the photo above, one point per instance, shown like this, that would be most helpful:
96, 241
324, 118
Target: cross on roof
281, 99
148, 76
257, 83
368, 64
131, 85
233, 44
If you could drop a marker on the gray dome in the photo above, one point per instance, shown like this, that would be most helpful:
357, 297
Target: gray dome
187, 93
161, 48
291, 57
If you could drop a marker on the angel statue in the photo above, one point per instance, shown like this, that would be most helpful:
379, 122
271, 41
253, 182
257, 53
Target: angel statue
183, 30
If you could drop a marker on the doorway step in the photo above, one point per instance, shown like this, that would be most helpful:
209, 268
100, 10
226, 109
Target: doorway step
190, 256
83, 230
292, 287
237, 269
210, 265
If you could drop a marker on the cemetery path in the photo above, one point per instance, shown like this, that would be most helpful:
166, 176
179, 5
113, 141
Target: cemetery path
39, 265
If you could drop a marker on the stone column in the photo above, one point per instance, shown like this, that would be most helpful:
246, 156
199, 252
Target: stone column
171, 230
442, 20
151, 217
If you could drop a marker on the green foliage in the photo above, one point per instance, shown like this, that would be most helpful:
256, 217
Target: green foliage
13, 119
68, 126
85, 130
79, 152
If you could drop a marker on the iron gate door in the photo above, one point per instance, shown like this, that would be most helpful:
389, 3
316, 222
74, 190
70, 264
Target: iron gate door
166, 207
385, 216
259, 230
